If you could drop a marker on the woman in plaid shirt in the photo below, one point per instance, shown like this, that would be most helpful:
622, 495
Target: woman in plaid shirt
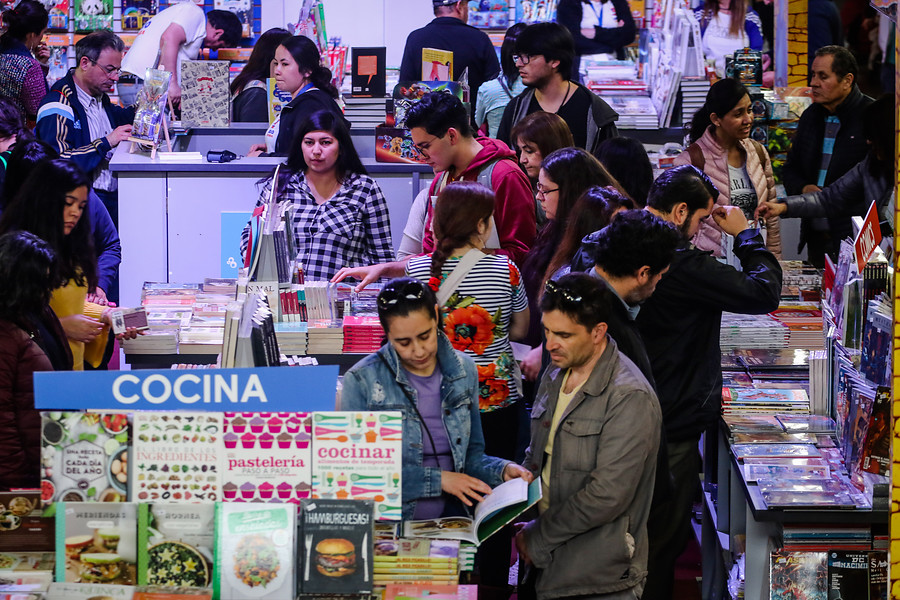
340, 216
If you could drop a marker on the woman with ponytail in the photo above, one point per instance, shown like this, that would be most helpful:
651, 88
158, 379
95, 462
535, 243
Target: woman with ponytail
23, 57
298, 71
739, 167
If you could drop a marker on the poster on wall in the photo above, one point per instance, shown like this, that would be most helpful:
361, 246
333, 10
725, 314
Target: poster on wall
91, 15
534, 11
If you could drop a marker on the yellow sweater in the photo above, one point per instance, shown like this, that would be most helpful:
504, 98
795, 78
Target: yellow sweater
71, 299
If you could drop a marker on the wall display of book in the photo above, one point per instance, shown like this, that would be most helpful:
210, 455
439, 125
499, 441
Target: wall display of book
176, 544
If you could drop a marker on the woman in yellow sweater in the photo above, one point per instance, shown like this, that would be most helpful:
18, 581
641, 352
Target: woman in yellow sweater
52, 204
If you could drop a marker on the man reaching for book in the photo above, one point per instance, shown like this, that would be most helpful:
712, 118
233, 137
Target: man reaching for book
594, 438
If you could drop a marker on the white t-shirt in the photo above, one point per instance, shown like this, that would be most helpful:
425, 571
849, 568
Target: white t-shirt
743, 194
144, 53
598, 14
719, 43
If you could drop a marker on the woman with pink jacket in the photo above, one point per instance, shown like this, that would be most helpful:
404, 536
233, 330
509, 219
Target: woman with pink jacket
738, 166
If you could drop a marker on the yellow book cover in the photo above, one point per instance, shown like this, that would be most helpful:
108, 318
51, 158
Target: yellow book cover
437, 65
277, 98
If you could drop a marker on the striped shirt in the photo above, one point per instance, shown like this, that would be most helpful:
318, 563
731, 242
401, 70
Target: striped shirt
99, 126
477, 318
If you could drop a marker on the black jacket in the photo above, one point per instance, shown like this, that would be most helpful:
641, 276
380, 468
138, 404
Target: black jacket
805, 156
680, 326
601, 122
295, 112
471, 49
251, 104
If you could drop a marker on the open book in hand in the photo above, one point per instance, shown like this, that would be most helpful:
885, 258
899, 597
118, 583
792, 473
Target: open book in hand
505, 502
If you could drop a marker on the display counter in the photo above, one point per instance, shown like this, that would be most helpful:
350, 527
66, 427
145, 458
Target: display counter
179, 219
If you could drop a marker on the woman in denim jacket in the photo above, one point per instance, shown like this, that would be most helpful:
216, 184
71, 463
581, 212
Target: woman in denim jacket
436, 388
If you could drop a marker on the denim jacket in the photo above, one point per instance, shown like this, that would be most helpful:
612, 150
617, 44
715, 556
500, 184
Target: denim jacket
369, 385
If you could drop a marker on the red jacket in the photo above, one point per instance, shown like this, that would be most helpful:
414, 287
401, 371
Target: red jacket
514, 212
20, 423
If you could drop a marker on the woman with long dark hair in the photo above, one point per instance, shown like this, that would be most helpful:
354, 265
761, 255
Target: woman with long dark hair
249, 95
31, 339
726, 26
340, 215
626, 159
739, 167
298, 71
494, 95
52, 204
23, 57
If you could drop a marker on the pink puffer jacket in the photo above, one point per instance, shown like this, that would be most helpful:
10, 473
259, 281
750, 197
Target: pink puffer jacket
709, 237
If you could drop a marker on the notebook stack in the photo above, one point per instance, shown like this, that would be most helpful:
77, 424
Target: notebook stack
292, 338
752, 331
418, 561
693, 95
324, 337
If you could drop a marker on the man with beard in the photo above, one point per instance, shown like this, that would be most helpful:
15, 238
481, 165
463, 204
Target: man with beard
544, 56
680, 325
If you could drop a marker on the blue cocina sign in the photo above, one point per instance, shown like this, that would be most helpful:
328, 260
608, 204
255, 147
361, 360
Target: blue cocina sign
273, 389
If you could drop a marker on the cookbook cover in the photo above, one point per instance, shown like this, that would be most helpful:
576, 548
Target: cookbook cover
268, 457
96, 543
177, 543
176, 457
336, 546
89, 591
358, 455
255, 551
84, 457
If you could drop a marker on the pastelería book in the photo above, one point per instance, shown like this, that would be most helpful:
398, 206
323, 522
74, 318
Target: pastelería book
96, 543
437, 65
267, 457
848, 575
335, 546
176, 457
795, 575
84, 457
358, 455
177, 543
205, 100
89, 591
505, 502
255, 551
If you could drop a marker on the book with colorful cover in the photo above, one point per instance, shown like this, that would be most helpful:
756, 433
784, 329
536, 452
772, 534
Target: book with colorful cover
267, 457
437, 65
176, 457
255, 551
848, 575
336, 546
84, 457
876, 451
96, 543
205, 99
409, 591
358, 455
91, 15
794, 575
535, 11
177, 543
277, 98
89, 591
137, 13
878, 575
505, 502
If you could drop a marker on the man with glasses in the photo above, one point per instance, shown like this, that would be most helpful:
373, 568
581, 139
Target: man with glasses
594, 437
680, 326
544, 56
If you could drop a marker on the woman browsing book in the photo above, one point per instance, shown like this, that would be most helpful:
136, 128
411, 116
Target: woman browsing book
436, 388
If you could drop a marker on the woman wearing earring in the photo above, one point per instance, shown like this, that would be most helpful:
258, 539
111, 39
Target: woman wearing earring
23, 57
418, 373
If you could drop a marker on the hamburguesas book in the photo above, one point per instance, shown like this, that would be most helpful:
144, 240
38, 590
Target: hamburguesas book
96, 543
336, 546
176, 542
848, 575
255, 546
505, 502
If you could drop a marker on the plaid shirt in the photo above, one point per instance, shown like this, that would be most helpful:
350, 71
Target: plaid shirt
352, 229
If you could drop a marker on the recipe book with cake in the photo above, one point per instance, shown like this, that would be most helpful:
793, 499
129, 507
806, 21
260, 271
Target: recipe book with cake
505, 502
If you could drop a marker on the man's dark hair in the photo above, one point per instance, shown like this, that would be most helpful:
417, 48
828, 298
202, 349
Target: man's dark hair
11, 121
437, 112
843, 62
626, 159
28, 17
684, 183
633, 239
91, 45
550, 40
444, 7
228, 22
260, 61
582, 298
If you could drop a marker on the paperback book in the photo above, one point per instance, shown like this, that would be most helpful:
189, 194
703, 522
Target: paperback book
89, 591
848, 575
358, 455
505, 502
177, 543
96, 543
795, 575
336, 546
176, 457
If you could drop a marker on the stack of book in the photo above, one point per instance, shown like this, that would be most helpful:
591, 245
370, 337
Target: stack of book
804, 322
693, 95
152, 342
198, 339
826, 537
741, 401
418, 561
752, 331
365, 112
292, 338
635, 112
324, 337
362, 334
800, 281
224, 286
405, 591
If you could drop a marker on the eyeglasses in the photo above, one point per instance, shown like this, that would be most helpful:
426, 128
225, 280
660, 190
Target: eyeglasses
423, 147
541, 191
551, 287
391, 295
521, 58
110, 70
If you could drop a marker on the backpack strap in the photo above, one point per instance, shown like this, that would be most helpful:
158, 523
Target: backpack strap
696, 154
760, 152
